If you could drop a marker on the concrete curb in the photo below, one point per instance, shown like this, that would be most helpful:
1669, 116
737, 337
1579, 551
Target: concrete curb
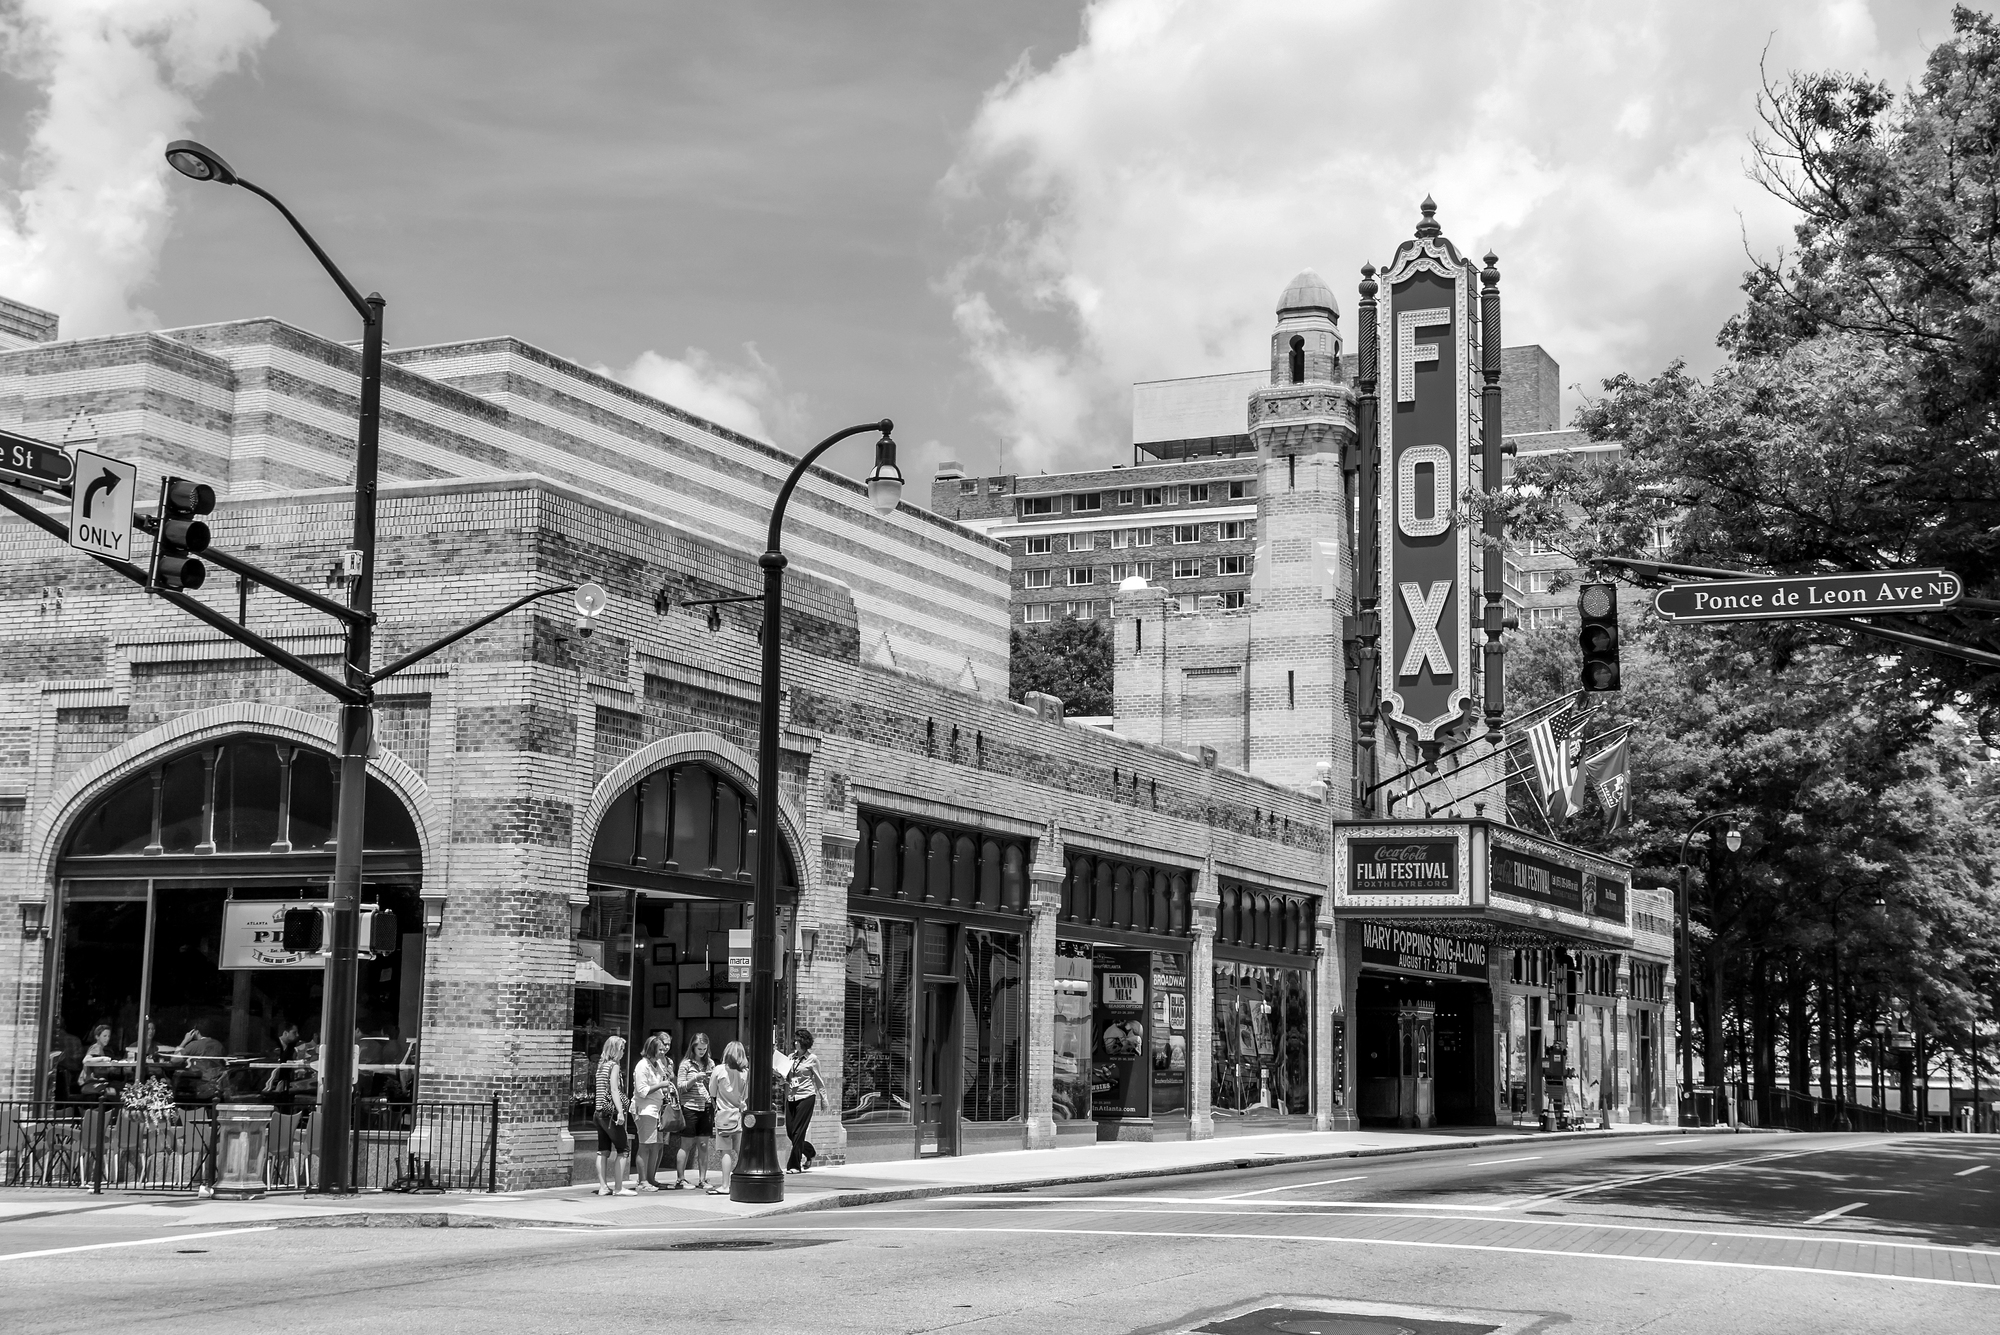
883, 1195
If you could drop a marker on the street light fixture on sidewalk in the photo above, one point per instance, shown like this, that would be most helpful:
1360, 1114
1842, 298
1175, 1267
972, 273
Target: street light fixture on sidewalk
1684, 950
759, 1178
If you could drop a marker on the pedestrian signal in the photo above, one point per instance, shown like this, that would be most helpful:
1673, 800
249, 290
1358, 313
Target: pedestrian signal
1597, 609
178, 534
305, 931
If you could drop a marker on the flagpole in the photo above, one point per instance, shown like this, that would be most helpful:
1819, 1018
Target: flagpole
1503, 746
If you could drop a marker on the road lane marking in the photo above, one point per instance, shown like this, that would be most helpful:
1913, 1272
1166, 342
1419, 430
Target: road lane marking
1677, 1172
1267, 1238
137, 1242
1489, 1163
1339, 1210
1292, 1186
1835, 1214
1968, 1172
1211, 1200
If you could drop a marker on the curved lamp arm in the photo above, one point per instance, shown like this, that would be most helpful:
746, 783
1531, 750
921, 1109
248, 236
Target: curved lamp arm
1696, 829
885, 457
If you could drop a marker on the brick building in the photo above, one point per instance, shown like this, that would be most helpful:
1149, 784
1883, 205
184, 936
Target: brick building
975, 892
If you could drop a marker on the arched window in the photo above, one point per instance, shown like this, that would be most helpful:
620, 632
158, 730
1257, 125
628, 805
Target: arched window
1298, 359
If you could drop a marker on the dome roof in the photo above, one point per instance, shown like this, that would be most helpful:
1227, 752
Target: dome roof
1308, 292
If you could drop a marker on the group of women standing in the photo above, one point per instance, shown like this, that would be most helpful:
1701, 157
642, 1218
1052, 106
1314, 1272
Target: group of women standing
690, 1113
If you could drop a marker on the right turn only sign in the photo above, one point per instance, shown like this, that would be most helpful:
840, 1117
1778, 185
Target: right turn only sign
100, 505
1847, 593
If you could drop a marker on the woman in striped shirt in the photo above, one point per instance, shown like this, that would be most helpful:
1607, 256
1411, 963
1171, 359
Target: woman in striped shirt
610, 1119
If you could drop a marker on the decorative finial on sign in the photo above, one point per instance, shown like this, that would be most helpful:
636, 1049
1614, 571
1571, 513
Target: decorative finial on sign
1429, 226
1490, 275
1368, 287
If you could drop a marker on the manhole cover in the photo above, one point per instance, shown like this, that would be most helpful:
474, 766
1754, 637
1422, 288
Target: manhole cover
1298, 1321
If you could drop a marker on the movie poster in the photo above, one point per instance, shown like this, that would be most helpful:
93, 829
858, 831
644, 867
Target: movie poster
1120, 1065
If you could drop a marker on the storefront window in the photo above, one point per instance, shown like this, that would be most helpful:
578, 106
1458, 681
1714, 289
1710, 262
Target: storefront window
995, 1018
1168, 1036
603, 1005
1262, 1047
1071, 1101
875, 1085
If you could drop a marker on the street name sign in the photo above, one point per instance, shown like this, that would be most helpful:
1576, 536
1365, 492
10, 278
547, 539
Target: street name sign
100, 505
1848, 593
33, 461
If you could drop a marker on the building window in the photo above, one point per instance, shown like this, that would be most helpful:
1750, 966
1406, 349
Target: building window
1126, 570
1078, 575
1541, 581
1187, 569
1034, 579
1660, 539
1125, 496
1038, 505
1198, 494
1089, 500
1154, 496
997, 487
1035, 612
1536, 547
1035, 546
1082, 542
969, 487
1240, 491
1142, 537
1082, 611
1229, 565
1231, 531
996, 1023
1185, 603
1187, 532
1544, 616
875, 1083
1234, 600
1120, 538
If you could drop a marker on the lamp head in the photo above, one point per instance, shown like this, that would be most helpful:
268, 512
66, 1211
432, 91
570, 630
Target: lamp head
885, 484
1733, 840
198, 162
1881, 901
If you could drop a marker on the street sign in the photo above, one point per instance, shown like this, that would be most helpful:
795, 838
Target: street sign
1848, 593
100, 505
739, 954
33, 461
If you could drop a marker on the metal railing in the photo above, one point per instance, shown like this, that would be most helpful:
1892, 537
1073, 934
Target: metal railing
1807, 1112
100, 1146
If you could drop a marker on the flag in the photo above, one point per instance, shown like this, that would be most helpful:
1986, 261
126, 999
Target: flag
1608, 774
1553, 741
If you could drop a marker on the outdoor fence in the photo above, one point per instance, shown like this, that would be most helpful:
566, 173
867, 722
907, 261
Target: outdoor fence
1806, 1112
100, 1146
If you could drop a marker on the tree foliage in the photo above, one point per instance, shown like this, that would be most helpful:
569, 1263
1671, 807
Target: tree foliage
1069, 659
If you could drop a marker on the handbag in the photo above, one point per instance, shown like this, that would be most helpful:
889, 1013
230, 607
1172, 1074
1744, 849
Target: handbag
671, 1117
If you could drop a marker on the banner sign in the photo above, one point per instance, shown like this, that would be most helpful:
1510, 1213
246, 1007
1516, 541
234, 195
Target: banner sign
1169, 1034
1412, 951
1120, 1057
1541, 880
1403, 867
1604, 897
253, 935
1427, 333
1849, 594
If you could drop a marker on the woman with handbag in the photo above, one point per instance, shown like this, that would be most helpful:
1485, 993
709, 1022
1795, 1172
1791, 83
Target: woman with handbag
652, 1103
611, 1110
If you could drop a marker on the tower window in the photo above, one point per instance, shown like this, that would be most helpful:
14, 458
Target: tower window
1291, 689
1298, 359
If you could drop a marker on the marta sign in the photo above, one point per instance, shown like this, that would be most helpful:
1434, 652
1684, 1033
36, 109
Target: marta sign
1849, 593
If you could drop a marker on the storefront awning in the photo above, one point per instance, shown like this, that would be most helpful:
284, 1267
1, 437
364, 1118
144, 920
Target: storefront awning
1480, 880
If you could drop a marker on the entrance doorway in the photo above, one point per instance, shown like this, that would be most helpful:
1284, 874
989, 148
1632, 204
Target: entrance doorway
1424, 1051
937, 1068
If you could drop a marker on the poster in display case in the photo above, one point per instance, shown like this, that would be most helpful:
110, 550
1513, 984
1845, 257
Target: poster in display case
1073, 1016
1168, 1041
1120, 1062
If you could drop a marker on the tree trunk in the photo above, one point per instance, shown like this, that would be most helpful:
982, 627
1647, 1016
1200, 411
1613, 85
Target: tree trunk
1826, 1060
1798, 1043
1715, 1040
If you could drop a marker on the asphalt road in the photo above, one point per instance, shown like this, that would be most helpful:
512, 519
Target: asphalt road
1752, 1233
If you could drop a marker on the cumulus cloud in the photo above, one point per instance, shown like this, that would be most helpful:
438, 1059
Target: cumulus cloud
81, 226
746, 396
1133, 208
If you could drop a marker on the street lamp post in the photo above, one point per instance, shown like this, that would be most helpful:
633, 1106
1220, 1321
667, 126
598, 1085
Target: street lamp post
343, 965
759, 1178
1684, 962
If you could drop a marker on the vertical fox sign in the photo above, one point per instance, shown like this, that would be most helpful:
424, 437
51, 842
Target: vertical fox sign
1428, 345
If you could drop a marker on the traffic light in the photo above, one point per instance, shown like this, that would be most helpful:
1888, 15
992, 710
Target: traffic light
378, 931
1597, 609
178, 535
305, 931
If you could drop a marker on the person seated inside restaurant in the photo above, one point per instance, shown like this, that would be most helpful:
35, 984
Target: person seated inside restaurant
203, 1067
293, 1080
99, 1078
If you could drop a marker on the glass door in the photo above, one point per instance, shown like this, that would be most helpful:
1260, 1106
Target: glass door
937, 1052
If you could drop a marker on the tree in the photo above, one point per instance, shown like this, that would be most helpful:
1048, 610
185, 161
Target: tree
1070, 660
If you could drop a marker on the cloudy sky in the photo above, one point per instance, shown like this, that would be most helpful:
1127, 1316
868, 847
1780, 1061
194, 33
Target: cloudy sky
985, 220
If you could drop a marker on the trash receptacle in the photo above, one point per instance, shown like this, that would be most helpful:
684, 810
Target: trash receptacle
242, 1141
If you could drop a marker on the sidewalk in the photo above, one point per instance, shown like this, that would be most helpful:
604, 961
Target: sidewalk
822, 1189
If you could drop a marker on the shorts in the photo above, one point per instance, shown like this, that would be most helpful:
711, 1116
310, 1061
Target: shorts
610, 1133
729, 1143
649, 1129
698, 1123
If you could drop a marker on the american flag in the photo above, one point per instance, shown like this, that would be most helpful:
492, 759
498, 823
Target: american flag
1554, 742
